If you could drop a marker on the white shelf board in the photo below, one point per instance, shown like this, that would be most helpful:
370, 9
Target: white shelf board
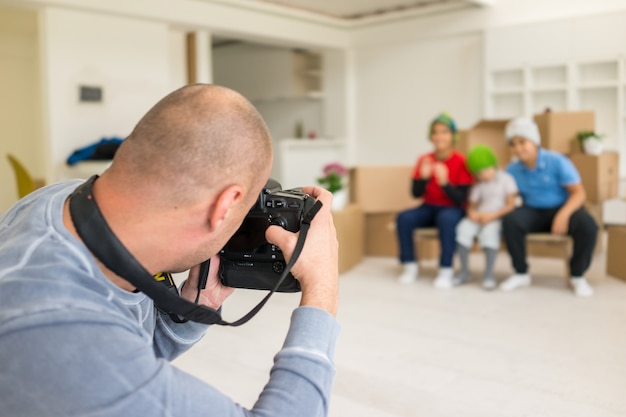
598, 85
549, 88
507, 91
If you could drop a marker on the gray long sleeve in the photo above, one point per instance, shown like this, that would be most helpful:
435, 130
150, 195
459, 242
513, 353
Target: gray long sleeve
74, 344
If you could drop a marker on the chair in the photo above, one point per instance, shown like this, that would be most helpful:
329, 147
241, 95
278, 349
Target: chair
25, 182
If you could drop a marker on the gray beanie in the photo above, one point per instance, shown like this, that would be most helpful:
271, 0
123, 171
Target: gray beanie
523, 127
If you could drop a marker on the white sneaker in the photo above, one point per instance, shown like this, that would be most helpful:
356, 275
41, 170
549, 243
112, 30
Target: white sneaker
581, 287
409, 274
489, 284
445, 278
515, 281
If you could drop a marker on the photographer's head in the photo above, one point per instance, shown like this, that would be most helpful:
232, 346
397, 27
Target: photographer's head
183, 181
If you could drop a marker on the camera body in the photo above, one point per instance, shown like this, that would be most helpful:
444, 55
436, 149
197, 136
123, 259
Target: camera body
248, 260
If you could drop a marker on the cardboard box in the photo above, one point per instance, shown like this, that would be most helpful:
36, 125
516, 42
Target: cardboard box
381, 238
486, 132
382, 189
380, 235
574, 147
595, 210
350, 226
558, 129
615, 265
599, 175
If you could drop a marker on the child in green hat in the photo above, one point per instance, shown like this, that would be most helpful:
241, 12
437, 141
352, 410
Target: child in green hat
492, 196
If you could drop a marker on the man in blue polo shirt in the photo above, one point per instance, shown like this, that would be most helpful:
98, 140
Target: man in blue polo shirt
553, 199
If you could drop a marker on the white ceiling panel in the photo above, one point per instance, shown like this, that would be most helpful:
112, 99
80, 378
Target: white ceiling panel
358, 9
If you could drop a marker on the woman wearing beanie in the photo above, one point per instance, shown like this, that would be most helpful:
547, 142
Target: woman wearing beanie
442, 180
490, 198
553, 199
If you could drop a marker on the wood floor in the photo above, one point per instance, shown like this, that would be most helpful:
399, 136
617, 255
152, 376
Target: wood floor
417, 351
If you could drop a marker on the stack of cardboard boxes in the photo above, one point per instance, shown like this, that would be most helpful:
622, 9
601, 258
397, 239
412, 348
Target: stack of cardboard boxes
382, 192
350, 225
486, 132
615, 265
599, 173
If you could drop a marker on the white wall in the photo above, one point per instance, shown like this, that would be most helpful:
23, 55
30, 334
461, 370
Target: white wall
405, 71
576, 39
571, 42
335, 87
389, 93
177, 58
265, 75
503, 13
20, 99
128, 58
265, 23
401, 86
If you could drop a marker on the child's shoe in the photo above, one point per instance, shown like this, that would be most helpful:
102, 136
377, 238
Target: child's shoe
489, 283
461, 279
515, 281
581, 287
444, 279
409, 274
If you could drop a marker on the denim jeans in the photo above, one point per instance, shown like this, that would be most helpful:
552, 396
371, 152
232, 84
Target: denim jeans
444, 218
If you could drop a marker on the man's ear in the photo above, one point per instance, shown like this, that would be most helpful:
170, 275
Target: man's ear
225, 200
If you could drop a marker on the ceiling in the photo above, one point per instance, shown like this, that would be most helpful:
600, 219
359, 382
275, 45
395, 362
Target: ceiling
353, 10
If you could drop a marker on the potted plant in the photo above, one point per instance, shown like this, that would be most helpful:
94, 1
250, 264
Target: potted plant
590, 142
333, 180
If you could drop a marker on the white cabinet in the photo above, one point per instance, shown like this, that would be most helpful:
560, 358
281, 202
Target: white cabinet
268, 73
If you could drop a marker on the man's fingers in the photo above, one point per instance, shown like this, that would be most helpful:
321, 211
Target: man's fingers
282, 238
214, 267
316, 192
319, 193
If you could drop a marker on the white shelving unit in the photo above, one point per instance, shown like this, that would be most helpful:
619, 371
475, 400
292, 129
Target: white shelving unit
548, 88
506, 90
598, 85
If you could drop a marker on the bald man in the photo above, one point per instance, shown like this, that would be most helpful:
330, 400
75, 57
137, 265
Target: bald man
76, 339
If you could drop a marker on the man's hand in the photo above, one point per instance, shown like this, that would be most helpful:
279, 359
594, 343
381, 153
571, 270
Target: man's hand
440, 171
560, 223
214, 293
317, 268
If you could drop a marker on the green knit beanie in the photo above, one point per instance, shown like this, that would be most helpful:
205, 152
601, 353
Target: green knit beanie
445, 119
481, 157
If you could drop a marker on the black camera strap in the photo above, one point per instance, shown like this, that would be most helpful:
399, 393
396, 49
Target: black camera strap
106, 247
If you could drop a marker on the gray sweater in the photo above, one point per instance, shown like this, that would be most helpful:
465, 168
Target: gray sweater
74, 344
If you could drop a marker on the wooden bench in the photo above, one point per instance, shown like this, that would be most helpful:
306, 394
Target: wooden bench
537, 244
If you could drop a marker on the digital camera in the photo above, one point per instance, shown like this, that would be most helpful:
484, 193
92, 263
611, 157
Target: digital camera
248, 260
